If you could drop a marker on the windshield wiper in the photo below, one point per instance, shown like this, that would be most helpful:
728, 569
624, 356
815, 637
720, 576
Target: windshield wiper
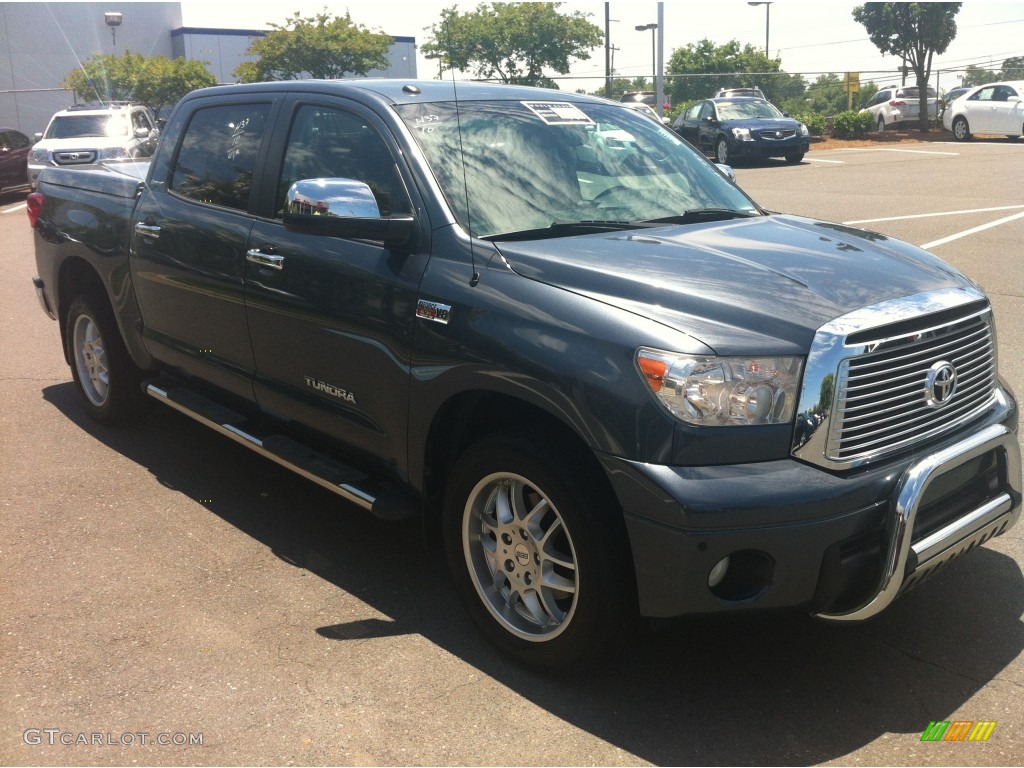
567, 228
703, 214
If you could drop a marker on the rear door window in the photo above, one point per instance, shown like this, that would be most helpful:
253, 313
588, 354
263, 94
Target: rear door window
217, 158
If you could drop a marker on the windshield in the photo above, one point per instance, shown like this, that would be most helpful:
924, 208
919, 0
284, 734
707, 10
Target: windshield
78, 126
532, 164
746, 110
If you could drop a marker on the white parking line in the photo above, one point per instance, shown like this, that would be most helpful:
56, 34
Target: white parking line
16, 208
971, 231
937, 213
885, 149
819, 160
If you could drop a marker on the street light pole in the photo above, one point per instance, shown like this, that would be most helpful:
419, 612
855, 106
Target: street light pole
767, 20
654, 57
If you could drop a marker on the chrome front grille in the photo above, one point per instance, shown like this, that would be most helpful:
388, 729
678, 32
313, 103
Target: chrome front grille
887, 377
778, 135
885, 398
75, 157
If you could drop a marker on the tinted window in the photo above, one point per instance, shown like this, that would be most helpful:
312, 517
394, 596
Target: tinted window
218, 154
326, 143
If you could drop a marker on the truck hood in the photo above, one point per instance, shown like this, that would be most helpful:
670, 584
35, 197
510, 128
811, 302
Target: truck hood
765, 283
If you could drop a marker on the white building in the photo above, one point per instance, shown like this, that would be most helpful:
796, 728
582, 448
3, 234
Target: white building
42, 42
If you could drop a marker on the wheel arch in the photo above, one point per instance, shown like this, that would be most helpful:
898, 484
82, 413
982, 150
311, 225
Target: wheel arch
467, 417
77, 276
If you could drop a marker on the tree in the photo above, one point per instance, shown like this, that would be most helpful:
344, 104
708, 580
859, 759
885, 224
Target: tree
914, 31
699, 69
1013, 69
975, 75
155, 81
512, 42
318, 46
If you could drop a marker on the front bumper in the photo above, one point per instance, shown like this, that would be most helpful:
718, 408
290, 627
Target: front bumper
842, 546
764, 149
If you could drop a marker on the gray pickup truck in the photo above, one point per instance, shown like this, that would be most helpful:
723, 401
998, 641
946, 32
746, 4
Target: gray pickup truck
613, 385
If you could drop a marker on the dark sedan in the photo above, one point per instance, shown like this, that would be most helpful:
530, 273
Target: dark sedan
14, 148
742, 128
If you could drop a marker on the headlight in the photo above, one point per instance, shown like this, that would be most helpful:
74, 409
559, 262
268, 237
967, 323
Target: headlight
39, 156
112, 153
723, 391
743, 134
803, 130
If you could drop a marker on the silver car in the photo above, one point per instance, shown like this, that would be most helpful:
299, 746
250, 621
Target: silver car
89, 134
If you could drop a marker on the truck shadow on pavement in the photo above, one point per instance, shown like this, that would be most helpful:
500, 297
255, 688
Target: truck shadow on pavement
757, 691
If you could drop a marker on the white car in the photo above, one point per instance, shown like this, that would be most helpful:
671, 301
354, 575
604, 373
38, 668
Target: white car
900, 104
990, 109
87, 134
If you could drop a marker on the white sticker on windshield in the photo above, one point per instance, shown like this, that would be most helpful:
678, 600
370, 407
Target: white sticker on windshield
557, 112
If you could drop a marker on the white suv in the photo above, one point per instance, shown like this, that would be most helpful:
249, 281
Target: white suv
900, 104
85, 134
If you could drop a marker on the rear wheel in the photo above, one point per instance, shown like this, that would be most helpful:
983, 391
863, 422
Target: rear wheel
539, 555
961, 131
881, 124
108, 381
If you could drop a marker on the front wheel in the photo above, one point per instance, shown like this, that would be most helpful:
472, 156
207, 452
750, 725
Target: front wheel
794, 157
722, 151
961, 131
539, 555
107, 380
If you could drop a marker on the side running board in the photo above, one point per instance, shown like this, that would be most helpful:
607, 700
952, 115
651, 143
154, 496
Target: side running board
383, 501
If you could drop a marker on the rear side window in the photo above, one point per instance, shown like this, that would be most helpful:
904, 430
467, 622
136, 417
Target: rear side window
218, 152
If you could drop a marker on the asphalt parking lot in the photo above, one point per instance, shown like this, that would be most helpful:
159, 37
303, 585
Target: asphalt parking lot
164, 587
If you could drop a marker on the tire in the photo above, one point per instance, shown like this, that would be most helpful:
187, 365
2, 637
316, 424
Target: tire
881, 124
794, 157
539, 554
961, 130
109, 383
722, 151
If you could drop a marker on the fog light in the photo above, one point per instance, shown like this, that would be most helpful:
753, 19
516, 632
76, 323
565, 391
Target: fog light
718, 572
744, 575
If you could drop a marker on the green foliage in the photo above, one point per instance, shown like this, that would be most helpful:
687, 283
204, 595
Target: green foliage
975, 75
512, 42
815, 123
155, 81
1013, 69
915, 31
852, 125
699, 69
318, 46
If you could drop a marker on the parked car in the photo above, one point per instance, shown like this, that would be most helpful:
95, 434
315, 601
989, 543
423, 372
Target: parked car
647, 110
87, 133
643, 97
743, 128
14, 149
730, 92
896, 105
950, 96
991, 109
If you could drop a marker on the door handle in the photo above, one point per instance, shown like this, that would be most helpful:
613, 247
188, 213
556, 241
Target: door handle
151, 231
271, 260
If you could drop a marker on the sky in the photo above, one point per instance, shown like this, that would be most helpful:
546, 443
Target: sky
810, 37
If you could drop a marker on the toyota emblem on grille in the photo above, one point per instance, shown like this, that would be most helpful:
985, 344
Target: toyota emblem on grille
941, 384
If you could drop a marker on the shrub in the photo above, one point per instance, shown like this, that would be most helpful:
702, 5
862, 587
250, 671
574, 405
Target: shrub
852, 125
815, 123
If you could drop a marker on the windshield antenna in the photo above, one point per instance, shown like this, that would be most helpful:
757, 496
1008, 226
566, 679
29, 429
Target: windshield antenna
475, 279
